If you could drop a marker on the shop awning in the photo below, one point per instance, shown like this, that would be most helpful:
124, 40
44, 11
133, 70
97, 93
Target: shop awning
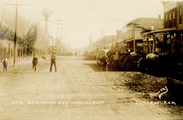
165, 30
129, 40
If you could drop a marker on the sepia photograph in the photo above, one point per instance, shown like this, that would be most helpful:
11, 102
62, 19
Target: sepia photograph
91, 60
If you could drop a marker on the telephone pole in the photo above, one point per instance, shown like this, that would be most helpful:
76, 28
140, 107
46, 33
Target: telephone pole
15, 36
46, 13
61, 34
58, 23
57, 29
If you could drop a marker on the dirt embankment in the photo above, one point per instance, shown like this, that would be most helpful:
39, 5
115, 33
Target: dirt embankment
154, 88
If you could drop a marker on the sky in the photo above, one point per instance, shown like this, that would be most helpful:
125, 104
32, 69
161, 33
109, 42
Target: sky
84, 18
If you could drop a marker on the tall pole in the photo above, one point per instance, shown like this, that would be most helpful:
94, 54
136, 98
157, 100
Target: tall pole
134, 49
61, 41
46, 28
15, 37
57, 30
61, 35
46, 13
46, 33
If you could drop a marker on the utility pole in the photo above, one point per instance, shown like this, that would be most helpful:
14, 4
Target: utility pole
15, 37
61, 34
57, 29
46, 13
61, 39
134, 47
46, 22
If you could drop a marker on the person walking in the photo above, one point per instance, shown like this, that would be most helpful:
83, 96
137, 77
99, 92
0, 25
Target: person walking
105, 60
34, 62
53, 62
5, 65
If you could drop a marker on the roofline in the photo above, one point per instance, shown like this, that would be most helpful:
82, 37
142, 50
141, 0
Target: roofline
160, 30
128, 40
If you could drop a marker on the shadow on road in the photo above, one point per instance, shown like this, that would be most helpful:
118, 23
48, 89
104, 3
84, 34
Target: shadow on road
175, 90
175, 86
99, 68
94, 66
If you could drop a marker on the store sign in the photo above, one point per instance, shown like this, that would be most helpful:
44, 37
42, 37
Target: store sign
169, 5
150, 39
140, 44
145, 44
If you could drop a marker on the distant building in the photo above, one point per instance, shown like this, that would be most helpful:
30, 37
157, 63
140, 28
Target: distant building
132, 37
6, 49
118, 35
107, 42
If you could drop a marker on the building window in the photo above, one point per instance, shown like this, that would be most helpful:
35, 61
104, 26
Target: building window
166, 17
180, 15
169, 16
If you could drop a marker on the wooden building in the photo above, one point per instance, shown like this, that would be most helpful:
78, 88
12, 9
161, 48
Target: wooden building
132, 37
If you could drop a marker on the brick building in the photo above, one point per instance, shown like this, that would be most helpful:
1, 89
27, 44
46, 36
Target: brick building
170, 38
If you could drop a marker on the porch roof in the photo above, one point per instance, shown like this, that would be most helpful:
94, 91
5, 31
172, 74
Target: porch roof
164, 30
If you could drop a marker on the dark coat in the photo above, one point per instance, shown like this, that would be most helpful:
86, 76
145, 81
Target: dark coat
34, 61
104, 60
53, 58
5, 63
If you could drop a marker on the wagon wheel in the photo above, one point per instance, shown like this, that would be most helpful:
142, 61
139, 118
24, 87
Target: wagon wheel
124, 64
112, 63
142, 65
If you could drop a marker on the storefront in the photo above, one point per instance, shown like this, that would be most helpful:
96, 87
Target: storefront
163, 41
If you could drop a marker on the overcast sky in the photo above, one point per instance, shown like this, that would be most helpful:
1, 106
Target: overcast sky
84, 17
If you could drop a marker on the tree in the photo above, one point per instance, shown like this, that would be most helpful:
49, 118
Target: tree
30, 35
27, 41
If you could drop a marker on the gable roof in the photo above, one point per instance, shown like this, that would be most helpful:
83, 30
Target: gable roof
147, 23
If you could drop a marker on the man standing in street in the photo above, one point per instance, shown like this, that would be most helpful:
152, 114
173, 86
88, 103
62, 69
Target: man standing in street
53, 61
105, 61
34, 62
5, 64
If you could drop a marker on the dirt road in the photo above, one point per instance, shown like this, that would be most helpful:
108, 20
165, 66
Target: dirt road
79, 90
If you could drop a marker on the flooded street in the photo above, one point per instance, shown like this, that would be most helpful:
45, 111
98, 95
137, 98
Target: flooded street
79, 90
